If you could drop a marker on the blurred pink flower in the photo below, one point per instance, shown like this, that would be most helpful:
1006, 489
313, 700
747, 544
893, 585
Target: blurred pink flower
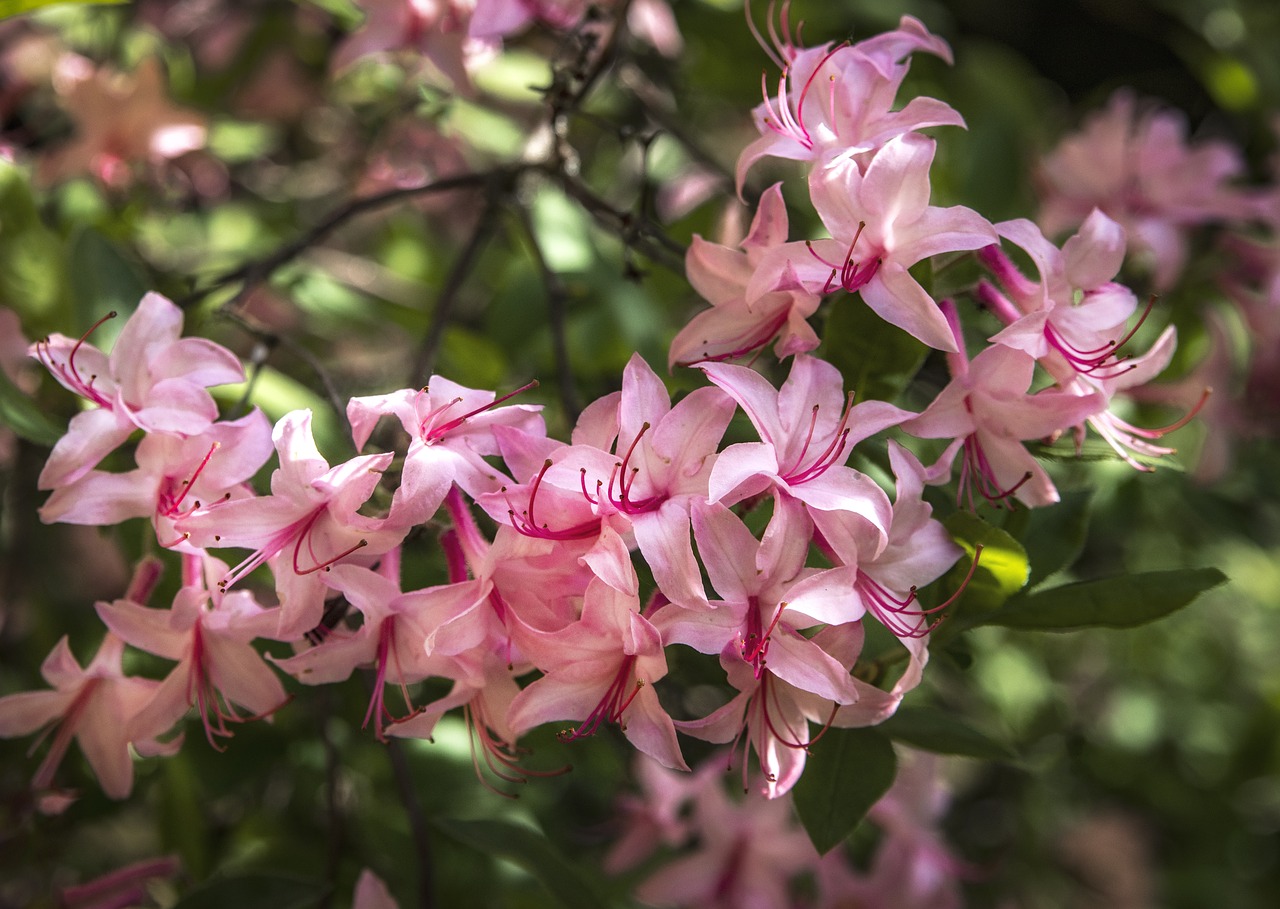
121, 120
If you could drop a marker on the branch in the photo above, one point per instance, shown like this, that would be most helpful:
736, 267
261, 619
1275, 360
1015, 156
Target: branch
556, 298
251, 274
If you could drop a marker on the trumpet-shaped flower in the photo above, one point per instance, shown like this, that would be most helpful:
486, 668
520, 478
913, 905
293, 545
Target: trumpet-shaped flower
153, 380
881, 224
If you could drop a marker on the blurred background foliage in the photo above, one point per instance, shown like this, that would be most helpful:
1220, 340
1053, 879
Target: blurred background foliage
1147, 768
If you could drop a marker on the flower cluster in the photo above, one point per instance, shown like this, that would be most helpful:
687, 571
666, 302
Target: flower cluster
542, 617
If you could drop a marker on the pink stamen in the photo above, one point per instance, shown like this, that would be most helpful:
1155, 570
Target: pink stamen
527, 524
69, 372
852, 276
830, 455
617, 698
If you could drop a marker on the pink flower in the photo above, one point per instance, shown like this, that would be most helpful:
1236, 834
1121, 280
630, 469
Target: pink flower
1076, 309
881, 224
807, 429
601, 669
835, 102
208, 633
988, 408
740, 323
307, 524
153, 380
748, 852
1137, 166
98, 706
121, 120
451, 432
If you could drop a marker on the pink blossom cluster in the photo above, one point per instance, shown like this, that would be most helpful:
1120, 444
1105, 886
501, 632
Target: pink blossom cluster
836, 109
542, 616
550, 589
750, 852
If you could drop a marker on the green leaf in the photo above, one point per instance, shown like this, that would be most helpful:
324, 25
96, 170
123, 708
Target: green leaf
18, 7
941, 731
20, 413
102, 279
32, 258
876, 359
847, 772
531, 851
255, 890
1120, 602
1002, 567
1054, 536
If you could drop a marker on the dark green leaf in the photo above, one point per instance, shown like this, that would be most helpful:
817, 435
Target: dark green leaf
20, 413
17, 7
531, 851
943, 732
32, 259
876, 359
255, 891
1120, 602
102, 279
1054, 536
847, 772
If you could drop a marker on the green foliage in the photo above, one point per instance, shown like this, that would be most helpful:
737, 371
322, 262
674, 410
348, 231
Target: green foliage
877, 359
1120, 602
846, 773
255, 891
18, 7
943, 732
532, 852
20, 413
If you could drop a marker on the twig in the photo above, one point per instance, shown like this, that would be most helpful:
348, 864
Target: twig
417, 824
424, 362
556, 299
251, 274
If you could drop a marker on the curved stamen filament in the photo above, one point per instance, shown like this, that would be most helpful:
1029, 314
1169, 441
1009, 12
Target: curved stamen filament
170, 506
68, 371
847, 275
977, 472
431, 433
526, 523
830, 455
617, 698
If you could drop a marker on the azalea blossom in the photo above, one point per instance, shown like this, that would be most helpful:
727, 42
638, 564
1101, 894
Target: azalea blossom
308, 523
881, 224
98, 706
739, 323
836, 101
121, 120
209, 634
154, 380
987, 408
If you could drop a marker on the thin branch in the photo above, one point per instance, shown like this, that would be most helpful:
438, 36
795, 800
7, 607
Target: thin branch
252, 274
272, 339
424, 363
556, 299
417, 824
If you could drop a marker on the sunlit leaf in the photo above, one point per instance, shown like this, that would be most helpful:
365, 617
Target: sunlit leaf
1002, 566
846, 773
941, 731
531, 851
18, 7
1120, 602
